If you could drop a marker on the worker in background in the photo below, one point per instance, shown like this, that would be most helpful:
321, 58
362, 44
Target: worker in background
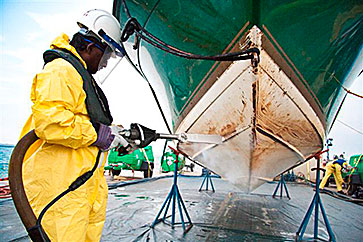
335, 167
71, 117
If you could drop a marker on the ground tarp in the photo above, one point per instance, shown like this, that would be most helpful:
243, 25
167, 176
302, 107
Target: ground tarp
226, 215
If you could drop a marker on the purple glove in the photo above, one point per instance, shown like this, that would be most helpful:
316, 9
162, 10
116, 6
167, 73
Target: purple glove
104, 137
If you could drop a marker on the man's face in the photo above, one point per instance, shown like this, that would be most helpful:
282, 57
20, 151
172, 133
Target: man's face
94, 55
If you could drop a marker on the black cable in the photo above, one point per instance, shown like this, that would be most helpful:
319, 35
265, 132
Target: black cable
126, 9
224, 57
189, 54
151, 88
76, 184
132, 26
159, 106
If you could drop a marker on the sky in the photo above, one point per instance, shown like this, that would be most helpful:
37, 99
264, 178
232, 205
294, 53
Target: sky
26, 29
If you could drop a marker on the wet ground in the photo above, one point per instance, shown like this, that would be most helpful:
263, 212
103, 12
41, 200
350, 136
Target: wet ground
226, 215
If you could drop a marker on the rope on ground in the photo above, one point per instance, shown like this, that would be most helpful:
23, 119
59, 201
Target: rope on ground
122, 183
133, 182
342, 197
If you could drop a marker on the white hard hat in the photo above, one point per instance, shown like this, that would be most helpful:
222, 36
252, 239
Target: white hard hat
98, 21
103, 26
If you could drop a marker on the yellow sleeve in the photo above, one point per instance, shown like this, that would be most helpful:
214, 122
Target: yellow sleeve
59, 111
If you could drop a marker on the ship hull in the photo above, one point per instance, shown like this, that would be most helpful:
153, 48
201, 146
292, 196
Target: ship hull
272, 116
267, 124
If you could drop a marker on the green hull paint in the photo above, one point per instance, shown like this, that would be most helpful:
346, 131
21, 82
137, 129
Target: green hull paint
320, 40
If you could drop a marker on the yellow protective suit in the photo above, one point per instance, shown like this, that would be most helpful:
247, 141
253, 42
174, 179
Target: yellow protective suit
63, 152
334, 169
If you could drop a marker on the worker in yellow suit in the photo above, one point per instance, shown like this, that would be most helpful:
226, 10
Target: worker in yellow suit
71, 117
334, 167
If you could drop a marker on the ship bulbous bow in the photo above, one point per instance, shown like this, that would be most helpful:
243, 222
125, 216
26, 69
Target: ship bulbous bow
267, 124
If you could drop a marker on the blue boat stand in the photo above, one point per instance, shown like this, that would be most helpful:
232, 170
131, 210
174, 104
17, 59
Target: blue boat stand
174, 196
207, 178
316, 202
283, 185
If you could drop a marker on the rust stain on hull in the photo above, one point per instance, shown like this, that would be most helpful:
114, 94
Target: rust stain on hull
267, 123
277, 113
228, 129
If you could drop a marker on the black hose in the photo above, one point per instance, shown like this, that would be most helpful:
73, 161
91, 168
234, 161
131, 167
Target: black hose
26, 213
132, 26
76, 184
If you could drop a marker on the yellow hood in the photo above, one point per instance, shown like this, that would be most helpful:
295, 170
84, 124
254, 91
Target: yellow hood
62, 42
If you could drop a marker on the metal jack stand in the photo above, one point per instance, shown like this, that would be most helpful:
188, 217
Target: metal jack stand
207, 178
174, 195
283, 185
316, 202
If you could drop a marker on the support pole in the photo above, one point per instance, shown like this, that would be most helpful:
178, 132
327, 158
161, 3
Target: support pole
207, 179
173, 198
282, 185
315, 203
